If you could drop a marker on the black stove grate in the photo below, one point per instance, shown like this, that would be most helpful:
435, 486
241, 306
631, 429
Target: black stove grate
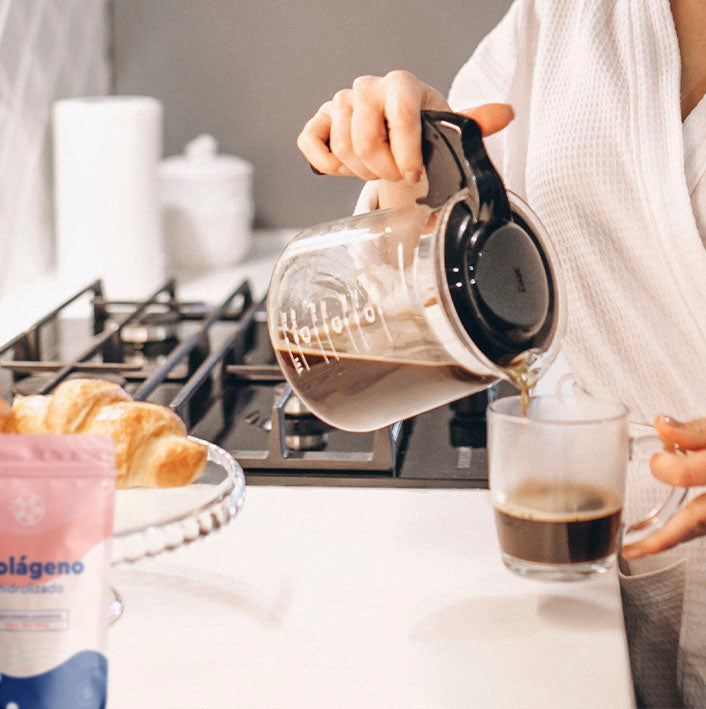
104, 353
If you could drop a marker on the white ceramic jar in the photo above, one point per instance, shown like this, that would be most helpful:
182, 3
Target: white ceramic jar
207, 206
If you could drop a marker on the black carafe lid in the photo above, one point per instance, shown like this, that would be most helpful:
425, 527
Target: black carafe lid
497, 273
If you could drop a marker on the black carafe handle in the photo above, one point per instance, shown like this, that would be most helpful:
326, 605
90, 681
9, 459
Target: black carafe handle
455, 158
497, 275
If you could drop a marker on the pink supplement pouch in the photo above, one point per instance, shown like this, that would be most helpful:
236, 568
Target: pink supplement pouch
57, 495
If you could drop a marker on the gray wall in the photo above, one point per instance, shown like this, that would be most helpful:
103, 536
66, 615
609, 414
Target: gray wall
253, 72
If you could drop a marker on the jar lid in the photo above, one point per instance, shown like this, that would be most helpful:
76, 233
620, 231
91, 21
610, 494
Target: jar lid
201, 161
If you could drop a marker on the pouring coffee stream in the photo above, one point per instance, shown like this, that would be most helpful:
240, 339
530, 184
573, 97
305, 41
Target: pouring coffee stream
524, 379
380, 316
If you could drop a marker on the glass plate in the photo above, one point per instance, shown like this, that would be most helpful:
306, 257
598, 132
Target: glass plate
151, 520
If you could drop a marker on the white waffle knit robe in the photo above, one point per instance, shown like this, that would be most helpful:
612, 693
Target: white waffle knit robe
599, 151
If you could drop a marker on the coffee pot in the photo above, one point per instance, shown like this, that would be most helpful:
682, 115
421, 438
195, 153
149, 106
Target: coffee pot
377, 317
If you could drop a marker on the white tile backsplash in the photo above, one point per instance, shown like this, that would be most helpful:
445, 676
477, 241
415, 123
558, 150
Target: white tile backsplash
49, 49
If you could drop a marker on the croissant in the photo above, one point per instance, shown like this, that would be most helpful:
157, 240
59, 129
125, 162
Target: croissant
7, 419
151, 446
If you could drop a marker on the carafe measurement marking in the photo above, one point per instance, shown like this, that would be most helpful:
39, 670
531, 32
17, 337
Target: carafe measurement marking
383, 323
346, 322
300, 334
322, 325
315, 323
356, 319
326, 330
400, 266
296, 362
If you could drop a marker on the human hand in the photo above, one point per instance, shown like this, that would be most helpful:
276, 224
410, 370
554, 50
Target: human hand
679, 471
373, 130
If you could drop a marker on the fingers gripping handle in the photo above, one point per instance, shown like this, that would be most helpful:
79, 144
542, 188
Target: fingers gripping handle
661, 514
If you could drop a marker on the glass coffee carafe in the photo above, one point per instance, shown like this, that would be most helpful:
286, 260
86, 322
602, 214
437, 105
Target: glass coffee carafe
380, 316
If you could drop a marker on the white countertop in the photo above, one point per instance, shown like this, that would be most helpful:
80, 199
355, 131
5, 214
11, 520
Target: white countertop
348, 597
359, 597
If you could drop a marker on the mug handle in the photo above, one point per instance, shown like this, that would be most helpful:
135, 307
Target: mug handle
572, 384
661, 514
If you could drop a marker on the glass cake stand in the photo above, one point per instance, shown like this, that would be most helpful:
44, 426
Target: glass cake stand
149, 521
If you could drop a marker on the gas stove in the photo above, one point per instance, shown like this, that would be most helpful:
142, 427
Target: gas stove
214, 366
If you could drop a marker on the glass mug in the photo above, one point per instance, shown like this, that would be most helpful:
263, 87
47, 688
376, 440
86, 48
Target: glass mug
557, 484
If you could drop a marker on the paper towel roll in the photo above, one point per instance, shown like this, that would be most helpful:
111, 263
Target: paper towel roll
106, 157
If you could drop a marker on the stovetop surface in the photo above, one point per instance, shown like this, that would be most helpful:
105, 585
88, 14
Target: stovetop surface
223, 380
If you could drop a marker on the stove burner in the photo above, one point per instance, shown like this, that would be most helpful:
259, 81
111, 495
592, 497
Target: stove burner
302, 430
36, 383
305, 435
156, 332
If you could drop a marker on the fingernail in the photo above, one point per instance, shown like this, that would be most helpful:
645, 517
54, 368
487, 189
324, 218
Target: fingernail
673, 423
632, 553
413, 176
344, 171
